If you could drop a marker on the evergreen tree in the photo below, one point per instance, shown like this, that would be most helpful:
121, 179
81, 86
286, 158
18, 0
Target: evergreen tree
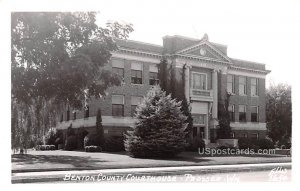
163, 75
279, 113
224, 118
160, 127
186, 110
99, 128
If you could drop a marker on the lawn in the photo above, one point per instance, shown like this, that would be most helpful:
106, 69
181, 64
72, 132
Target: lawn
79, 160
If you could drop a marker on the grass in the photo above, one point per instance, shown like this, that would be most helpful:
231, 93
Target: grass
79, 160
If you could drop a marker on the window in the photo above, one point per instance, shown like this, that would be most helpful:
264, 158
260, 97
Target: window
119, 71
74, 115
231, 112
254, 114
136, 77
195, 131
62, 117
136, 73
199, 81
254, 86
230, 84
87, 112
254, 136
242, 113
242, 85
118, 67
68, 115
244, 135
153, 75
199, 119
117, 105
135, 101
153, 78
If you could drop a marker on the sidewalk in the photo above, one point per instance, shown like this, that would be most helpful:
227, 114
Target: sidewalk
38, 161
119, 175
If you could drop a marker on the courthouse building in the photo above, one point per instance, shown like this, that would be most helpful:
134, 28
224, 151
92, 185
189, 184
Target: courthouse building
209, 73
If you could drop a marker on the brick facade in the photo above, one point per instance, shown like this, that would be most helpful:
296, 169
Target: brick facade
179, 51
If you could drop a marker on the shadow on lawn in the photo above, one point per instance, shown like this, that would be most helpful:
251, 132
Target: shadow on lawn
76, 161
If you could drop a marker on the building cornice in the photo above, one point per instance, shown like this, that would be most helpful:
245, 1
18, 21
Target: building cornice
249, 70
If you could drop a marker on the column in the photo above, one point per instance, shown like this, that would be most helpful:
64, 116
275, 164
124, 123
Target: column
187, 83
215, 96
206, 133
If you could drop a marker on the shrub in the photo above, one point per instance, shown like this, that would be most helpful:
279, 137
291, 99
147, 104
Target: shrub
195, 144
45, 147
51, 136
35, 141
266, 144
92, 139
160, 126
245, 143
71, 143
286, 141
93, 148
114, 144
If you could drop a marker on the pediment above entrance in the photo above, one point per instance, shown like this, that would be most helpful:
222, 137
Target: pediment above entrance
204, 50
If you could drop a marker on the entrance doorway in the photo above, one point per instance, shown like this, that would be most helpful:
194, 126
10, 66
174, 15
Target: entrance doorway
198, 132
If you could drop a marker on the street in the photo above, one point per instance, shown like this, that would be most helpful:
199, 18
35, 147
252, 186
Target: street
274, 172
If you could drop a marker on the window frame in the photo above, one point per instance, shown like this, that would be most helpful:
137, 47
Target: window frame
134, 78
118, 71
232, 112
244, 85
257, 113
113, 112
205, 84
156, 80
243, 113
256, 86
200, 115
232, 83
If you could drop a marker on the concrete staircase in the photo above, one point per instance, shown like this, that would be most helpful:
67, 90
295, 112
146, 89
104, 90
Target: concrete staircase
212, 145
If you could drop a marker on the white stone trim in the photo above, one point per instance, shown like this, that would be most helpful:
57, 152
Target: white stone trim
135, 58
91, 122
246, 74
248, 126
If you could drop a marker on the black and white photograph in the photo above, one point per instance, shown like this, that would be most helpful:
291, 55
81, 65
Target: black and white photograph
120, 92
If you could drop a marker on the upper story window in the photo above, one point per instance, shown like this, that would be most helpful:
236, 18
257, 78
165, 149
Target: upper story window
199, 119
231, 112
230, 83
136, 73
254, 113
135, 101
254, 86
117, 105
118, 67
119, 71
242, 113
153, 75
199, 81
242, 85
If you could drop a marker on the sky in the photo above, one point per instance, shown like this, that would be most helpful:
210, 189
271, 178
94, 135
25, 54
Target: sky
262, 31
